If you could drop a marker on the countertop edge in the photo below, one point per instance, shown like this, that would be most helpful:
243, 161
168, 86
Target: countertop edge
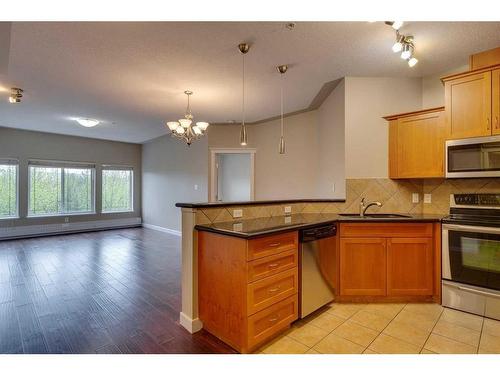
207, 228
256, 203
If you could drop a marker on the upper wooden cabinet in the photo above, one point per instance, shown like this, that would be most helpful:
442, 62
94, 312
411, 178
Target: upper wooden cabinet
495, 100
408, 132
468, 105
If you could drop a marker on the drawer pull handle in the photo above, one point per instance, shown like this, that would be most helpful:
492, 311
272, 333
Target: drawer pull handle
272, 320
276, 244
273, 265
274, 290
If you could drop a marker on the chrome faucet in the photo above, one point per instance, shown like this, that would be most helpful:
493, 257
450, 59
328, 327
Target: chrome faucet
363, 207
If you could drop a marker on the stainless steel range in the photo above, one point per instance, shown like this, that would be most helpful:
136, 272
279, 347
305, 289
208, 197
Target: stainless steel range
471, 254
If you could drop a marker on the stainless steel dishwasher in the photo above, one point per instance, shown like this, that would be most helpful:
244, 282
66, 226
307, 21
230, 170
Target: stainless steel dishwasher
318, 265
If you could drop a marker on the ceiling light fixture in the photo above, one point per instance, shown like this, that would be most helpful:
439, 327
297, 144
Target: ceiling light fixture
396, 25
243, 48
282, 70
15, 95
87, 122
405, 45
184, 128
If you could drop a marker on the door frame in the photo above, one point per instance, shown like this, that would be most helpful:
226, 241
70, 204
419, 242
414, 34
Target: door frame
213, 180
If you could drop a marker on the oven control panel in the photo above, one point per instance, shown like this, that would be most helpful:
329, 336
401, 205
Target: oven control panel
488, 200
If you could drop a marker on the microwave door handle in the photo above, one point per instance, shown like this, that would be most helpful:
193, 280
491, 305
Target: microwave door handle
470, 228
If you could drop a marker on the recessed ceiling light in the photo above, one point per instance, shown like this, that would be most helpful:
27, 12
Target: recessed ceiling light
87, 122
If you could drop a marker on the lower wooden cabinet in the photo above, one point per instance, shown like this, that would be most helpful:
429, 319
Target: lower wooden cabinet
363, 266
247, 289
410, 264
377, 261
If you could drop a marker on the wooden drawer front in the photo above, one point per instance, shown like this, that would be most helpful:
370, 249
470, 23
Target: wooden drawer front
386, 229
271, 265
271, 321
273, 244
268, 291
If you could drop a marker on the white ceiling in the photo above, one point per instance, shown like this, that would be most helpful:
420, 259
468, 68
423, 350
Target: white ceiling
131, 76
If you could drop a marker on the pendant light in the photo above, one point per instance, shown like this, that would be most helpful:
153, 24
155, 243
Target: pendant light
282, 70
243, 48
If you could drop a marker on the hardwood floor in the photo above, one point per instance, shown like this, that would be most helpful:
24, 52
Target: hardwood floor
102, 292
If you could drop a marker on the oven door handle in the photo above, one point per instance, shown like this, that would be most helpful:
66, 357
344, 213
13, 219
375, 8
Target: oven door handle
471, 228
480, 292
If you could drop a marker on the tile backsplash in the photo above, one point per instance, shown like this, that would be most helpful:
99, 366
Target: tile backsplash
395, 196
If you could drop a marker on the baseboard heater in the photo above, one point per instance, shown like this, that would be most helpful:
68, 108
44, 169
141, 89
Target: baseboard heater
7, 233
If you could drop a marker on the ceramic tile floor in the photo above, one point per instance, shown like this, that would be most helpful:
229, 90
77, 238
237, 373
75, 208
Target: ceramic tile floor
389, 328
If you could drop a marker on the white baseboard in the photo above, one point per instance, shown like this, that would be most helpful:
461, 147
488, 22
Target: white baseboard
162, 229
192, 325
82, 226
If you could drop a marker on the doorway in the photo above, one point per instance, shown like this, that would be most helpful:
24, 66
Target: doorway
232, 175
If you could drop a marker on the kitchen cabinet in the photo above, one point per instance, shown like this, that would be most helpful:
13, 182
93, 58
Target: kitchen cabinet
390, 261
468, 99
416, 144
362, 266
247, 288
495, 100
409, 266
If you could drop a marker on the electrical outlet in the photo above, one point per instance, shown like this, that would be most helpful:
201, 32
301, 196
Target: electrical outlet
196, 187
288, 219
237, 213
66, 219
415, 198
427, 198
238, 227
288, 210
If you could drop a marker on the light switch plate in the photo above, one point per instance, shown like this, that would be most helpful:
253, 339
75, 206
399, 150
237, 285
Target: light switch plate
288, 210
427, 198
237, 213
415, 198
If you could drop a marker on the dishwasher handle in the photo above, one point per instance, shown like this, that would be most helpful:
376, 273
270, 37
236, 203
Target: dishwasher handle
316, 233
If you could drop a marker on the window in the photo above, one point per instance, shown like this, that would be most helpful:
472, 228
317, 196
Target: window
8, 188
57, 188
117, 189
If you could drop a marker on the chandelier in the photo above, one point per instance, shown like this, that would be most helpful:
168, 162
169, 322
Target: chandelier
184, 128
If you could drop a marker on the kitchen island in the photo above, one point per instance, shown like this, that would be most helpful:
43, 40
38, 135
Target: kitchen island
249, 270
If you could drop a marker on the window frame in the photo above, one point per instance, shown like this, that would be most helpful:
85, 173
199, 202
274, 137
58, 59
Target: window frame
118, 168
63, 165
15, 163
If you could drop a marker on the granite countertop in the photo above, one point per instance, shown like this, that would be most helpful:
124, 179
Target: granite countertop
255, 203
261, 226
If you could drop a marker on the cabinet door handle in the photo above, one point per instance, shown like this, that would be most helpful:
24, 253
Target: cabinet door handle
496, 122
274, 290
273, 265
272, 320
488, 124
276, 244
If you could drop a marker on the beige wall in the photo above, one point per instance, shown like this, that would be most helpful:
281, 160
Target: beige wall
366, 132
25, 145
433, 89
172, 173
331, 145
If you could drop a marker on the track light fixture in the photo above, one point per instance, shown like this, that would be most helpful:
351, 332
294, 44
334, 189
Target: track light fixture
403, 44
15, 95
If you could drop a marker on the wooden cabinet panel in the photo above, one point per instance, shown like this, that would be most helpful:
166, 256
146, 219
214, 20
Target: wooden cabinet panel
386, 230
410, 266
468, 105
272, 244
413, 160
271, 265
267, 323
265, 292
363, 266
495, 100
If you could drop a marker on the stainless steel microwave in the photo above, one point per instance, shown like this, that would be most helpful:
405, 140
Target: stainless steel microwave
473, 157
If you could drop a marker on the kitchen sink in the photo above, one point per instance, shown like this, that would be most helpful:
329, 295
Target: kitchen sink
378, 216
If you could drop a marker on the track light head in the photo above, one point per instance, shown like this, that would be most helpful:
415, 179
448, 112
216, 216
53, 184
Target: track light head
15, 95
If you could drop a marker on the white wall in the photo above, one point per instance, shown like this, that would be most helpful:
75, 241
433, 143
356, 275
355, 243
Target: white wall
331, 145
170, 172
366, 132
433, 89
234, 174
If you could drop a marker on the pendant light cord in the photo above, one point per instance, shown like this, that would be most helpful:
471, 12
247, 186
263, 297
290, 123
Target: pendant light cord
281, 104
243, 93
